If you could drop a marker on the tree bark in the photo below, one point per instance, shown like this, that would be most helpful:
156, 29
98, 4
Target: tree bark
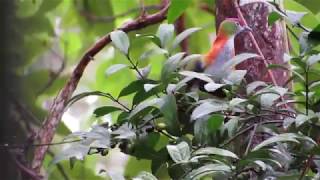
271, 40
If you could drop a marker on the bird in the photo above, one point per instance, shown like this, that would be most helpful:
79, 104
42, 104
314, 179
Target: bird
221, 50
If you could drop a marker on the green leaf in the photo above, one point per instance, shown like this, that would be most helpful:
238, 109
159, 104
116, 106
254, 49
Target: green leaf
177, 7
180, 152
271, 95
170, 66
235, 77
115, 68
86, 94
214, 151
124, 132
254, 85
165, 34
211, 87
48, 6
286, 137
190, 58
301, 119
27, 8
231, 126
313, 59
153, 38
295, 17
131, 88
183, 36
273, 17
121, 41
169, 110
237, 60
144, 72
214, 122
207, 108
196, 75
236, 101
145, 176
148, 87
144, 105
76, 150
151, 52
314, 84
206, 170
101, 111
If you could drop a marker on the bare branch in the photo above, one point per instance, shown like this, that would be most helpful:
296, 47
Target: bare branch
48, 129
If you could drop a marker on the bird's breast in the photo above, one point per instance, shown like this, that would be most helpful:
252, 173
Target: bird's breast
225, 54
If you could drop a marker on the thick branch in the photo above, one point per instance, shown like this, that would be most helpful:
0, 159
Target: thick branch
48, 129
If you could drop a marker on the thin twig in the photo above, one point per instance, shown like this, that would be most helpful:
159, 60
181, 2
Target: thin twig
248, 129
20, 146
48, 129
251, 137
306, 167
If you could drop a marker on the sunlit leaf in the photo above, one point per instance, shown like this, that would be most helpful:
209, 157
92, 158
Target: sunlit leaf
183, 36
196, 75
124, 132
211, 87
286, 137
207, 108
148, 87
208, 169
313, 59
237, 60
101, 111
295, 17
145, 176
235, 77
179, 152
143, 72
170, 66
78, 151
215, 151
165, 34
254, 85
121, 41
115, 68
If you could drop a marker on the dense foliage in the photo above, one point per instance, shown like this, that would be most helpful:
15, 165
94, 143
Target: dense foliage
164, 113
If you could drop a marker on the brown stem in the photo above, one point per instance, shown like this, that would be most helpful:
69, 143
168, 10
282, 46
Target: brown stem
180, 27
48, 129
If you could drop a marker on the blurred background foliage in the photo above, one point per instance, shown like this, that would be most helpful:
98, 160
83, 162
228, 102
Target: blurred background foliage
56, 33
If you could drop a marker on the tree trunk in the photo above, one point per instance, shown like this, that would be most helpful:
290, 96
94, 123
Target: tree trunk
271, 40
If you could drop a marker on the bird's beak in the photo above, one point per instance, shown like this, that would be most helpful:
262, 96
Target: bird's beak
246, 29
